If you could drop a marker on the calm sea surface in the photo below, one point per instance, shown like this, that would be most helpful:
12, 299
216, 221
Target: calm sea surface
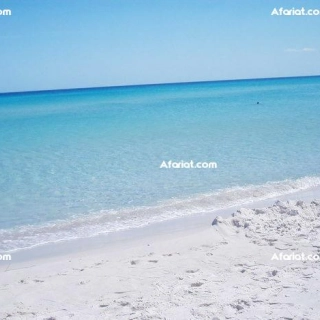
78, 163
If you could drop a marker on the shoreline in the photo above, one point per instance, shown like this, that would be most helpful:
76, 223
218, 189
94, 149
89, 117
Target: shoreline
185, 224
192, 270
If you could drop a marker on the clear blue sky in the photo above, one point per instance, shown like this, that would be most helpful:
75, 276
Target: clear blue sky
51, 44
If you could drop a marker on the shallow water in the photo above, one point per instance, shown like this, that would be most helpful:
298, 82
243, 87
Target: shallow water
82, 162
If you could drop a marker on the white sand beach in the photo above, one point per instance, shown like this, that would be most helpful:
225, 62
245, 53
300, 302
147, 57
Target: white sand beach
219, 271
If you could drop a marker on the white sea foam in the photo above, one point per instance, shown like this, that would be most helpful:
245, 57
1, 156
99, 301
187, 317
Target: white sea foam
107, 221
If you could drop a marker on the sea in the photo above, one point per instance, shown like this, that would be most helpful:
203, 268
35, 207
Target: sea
85, 162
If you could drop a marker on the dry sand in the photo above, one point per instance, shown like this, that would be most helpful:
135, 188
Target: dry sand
221, 271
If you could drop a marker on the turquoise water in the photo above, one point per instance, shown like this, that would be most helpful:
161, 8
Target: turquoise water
78, 163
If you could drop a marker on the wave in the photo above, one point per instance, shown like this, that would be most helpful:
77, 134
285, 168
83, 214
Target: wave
106, 221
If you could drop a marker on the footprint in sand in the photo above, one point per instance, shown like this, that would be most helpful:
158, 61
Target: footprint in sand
196, 284
76, 269
97, 264
192, 271
153, 261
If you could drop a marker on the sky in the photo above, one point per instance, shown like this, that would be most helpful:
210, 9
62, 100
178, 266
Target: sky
59, 44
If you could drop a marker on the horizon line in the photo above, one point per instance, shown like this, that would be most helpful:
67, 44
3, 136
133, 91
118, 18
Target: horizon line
148, 85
